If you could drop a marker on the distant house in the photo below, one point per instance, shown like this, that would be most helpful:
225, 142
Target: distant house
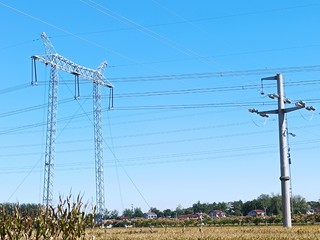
217, 214
311, 212
150, 215
256, 213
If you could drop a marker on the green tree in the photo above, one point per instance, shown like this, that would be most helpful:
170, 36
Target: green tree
236, 208
188, 210
179, 211
167, 213
275, 204
201, 207
299, 204
127, 213
106, 214
113, 214
137, 212
212, 206
222, 206
29, 209
264, 201
314, 204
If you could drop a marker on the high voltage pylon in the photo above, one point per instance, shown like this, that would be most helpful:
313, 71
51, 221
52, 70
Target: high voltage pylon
58, 62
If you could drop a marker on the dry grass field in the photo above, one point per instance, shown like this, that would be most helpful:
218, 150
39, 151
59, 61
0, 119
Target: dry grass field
215, 233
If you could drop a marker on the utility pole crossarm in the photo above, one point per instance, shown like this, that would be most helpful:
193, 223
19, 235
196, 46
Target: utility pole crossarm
64, 64
299, 105
292, 109
268, 112
276, 111
269, 78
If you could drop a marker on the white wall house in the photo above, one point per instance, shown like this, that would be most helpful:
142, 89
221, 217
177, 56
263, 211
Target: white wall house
150, 215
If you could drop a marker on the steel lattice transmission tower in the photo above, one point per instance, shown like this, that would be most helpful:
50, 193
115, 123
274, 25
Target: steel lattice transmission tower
58, 62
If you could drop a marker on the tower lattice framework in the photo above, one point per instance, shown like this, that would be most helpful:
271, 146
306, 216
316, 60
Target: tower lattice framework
96, 76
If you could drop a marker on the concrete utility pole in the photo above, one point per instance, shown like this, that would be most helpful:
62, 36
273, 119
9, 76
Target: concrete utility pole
283, 148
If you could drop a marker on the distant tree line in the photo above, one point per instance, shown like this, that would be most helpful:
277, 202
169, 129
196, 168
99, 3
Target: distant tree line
26, 209
271, 204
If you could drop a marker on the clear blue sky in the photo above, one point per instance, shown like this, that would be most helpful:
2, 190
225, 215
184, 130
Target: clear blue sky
179, 133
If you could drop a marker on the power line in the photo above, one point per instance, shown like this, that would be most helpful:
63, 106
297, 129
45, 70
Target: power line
311, 68
217, 56
14, 88
202, 90
194, 75
183, 21
171, 158
190, 106
210, 90
143, 29
64, 143
29, 109
166, 93
140, 108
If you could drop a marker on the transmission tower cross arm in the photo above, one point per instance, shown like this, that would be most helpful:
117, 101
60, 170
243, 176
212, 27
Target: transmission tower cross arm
64, 64
55, 60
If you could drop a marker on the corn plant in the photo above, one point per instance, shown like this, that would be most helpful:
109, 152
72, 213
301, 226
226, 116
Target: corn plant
67, 221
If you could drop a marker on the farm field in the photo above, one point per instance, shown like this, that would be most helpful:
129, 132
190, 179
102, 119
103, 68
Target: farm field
221, 233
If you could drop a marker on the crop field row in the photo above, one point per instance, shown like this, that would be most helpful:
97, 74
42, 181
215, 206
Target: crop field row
218, 233
68, 221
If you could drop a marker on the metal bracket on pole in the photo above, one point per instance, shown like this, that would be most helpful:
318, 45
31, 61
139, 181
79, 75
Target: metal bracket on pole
270, 78
284, 178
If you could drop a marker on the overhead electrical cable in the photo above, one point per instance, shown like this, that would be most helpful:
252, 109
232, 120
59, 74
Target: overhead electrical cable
207, 90
181, 91
310, 68
231, 105
191, 106
65, 31
139, 27
217, 56
197, 20
153, 34
29, 109
14, 88
20, 146
169, 159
